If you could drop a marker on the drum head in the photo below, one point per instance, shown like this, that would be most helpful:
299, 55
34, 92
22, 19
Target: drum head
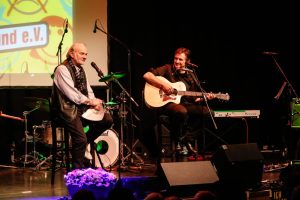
107, 147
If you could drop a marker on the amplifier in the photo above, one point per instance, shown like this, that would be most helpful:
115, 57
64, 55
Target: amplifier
259, 195
268, 191
295, 115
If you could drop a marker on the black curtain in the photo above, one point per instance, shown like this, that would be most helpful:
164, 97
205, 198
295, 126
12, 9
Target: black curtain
228, 44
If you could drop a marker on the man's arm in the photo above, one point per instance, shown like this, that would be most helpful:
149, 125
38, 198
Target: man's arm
153, 80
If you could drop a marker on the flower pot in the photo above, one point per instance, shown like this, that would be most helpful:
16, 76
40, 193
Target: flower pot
97, 181
100, 193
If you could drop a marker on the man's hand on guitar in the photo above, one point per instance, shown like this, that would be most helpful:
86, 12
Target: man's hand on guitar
168, 90
209, 96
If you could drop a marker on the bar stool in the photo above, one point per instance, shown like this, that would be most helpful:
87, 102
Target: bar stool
64, 147
166, 143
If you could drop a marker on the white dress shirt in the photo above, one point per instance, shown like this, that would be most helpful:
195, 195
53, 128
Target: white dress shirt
63, 80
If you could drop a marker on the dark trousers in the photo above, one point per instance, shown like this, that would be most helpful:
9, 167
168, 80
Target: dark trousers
80, 139
184, 119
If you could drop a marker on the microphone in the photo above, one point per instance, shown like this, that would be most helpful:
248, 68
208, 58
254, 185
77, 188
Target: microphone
269, 53
98, 70
192, 65
185, 69
67, 24
95, 27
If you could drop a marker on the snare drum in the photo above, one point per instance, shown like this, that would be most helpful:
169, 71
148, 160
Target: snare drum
107, 147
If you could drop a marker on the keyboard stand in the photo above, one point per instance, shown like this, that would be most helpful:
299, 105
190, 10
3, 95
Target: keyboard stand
219, 136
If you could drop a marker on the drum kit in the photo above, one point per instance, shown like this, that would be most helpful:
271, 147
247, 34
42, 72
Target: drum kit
123, 110
33, 157
109, 145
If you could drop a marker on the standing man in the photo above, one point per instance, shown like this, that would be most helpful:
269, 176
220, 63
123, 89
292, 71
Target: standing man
71, 96
189, 113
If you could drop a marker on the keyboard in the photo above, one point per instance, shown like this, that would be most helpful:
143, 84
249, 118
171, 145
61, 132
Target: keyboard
237, 113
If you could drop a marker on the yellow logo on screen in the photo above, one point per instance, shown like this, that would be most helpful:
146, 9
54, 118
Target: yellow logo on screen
30, 32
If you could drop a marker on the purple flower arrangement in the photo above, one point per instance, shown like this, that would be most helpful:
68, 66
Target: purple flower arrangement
88, 177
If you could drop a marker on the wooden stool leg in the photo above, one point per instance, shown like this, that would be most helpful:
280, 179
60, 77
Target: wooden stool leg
159, 140
54, 154
67, 149
163, 120
173, 149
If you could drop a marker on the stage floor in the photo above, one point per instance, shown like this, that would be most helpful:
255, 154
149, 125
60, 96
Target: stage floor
32, 183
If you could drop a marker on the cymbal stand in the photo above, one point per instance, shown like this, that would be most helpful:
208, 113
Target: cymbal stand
48, 159
25, 114
35, 153
123, 113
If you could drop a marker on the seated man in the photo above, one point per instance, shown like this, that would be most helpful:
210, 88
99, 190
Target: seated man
71, 96
187, 115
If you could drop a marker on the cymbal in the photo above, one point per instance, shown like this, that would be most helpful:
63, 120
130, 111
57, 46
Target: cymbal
35, 102
111, 103
111, 77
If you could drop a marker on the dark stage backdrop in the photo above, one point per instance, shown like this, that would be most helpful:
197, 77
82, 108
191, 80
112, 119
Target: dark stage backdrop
226, 43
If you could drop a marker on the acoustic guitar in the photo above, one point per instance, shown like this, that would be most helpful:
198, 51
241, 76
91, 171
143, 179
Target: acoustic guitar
155, 97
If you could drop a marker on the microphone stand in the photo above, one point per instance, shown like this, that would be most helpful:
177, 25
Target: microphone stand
194, 76
290, 91
58, 53
286, 79
198, 83
129, 71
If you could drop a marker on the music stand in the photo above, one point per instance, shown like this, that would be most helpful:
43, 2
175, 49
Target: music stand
290, 91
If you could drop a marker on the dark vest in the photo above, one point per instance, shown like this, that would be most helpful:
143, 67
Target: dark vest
61, 106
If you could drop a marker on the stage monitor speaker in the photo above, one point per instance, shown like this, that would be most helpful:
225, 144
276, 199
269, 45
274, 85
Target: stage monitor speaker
186, 178
239, 165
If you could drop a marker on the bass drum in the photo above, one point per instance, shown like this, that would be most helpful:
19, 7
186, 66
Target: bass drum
107, 147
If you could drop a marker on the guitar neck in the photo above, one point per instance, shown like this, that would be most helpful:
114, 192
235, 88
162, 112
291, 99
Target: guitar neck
189, 93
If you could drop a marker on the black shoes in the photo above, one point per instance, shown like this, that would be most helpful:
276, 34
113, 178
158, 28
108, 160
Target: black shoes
185, 149
181, 150
191, 149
